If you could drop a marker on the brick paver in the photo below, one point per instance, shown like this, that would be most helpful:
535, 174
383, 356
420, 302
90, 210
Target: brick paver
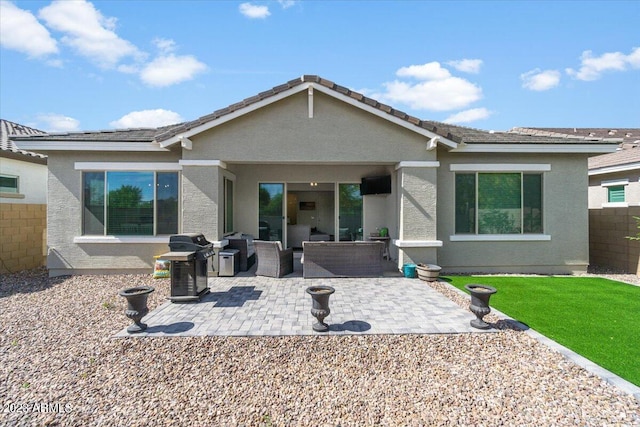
263, 306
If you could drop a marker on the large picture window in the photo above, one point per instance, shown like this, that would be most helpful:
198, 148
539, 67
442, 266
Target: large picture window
129, 203
498, 203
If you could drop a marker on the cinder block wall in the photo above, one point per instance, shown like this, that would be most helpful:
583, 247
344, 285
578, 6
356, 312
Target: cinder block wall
22, 236
608, 246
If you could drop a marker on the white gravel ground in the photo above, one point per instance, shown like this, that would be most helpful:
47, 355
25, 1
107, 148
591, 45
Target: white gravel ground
60, 365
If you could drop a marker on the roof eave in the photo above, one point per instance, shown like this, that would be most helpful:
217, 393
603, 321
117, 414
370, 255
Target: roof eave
614, 169
550, 148
53, 145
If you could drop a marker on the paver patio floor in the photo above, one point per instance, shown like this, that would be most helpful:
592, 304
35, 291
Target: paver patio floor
263, 306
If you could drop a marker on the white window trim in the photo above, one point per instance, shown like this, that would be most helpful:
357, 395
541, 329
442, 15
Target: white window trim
615, 182
615, 205
500, 167
121, 239
500, 238
127, 166
417, 243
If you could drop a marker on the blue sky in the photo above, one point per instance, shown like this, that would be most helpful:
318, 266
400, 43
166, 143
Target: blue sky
79, 65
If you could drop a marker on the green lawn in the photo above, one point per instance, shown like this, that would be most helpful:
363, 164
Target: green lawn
597, 318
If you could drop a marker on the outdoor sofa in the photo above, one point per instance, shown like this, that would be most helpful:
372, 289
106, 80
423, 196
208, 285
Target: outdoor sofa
342, 259
243, 243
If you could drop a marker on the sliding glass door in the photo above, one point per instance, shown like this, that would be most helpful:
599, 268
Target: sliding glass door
349, 212
270, 211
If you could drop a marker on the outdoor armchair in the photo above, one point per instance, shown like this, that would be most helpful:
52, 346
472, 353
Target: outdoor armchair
273, 261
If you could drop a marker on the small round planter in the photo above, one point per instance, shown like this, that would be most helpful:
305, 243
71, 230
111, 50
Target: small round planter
320, 308
136, 306
428, 272
479, 306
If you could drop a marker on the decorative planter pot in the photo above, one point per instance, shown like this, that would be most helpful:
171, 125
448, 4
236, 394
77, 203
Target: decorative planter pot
479, 306
136, 306
428, 272
320, 308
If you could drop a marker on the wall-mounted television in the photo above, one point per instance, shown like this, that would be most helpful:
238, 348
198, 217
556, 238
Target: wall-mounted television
375, 185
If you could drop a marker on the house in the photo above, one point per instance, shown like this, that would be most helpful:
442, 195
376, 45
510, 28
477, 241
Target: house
614, 195
466, 199
23, 202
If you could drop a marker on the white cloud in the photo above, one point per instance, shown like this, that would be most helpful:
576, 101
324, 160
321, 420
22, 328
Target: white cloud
592, 67
89, 32
286, 4
253, 11
436, 95
166, 70
147, 119
467, 116
21, 31
429, 71
539, 80
53, 122
438, 90
467, 65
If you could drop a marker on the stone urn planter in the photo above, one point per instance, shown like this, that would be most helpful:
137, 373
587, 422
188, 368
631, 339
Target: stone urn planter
320, 308
479, 306
428, 272
136, 306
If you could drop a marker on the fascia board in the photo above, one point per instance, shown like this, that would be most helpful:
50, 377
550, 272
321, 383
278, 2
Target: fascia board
40, 146
614, 169
535, 148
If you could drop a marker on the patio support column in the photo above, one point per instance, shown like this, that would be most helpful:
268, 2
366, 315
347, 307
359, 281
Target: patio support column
201, 198
417, 185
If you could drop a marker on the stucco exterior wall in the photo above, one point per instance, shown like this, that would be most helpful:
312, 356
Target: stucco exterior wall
598, 194
608, 245
32, 182
64, 213
418, 213
283, 133
565, 217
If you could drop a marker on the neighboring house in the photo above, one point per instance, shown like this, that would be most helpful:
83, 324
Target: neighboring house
614, 195
23, 202
466, 199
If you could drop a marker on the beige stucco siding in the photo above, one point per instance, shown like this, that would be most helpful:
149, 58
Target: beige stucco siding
283, 133
598, 193
64, 213
565, 220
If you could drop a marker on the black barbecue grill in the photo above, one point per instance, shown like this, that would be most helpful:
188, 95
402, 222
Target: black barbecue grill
190, 255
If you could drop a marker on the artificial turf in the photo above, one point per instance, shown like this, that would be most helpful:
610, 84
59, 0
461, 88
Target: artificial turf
597, 318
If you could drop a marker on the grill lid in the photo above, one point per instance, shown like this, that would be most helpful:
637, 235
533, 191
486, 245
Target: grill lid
194, 238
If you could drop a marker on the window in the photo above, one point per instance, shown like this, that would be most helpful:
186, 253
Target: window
498, 203
615, 194
8, 184
228, 205
130, 203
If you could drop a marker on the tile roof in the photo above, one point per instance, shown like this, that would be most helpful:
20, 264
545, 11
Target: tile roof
457, 134
628, 139
8, 129
621, 157
627, 135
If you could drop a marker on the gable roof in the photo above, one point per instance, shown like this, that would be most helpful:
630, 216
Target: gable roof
458, 138
453, 134
9, 149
